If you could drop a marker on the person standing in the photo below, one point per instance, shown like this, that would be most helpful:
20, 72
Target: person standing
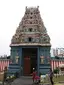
5, 73
36, 78
51, 77
33, 74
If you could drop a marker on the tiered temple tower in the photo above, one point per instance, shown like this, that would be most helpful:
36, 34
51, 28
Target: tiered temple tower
30, 45
31, 29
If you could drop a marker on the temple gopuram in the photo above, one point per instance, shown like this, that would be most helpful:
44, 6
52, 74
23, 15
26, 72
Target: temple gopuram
30, 45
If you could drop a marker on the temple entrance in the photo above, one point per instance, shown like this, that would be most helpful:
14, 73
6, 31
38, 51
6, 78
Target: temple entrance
29, 60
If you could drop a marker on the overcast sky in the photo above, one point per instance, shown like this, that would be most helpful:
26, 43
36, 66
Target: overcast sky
12, 11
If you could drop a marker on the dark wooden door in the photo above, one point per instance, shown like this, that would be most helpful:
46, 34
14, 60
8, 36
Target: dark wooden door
27, 66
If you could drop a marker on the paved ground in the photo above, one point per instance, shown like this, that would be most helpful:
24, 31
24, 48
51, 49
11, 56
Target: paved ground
28, 81
23, 81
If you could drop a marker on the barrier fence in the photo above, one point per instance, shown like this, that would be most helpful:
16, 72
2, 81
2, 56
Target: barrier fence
4, 63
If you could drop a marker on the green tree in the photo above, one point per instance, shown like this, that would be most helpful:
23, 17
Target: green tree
56, 71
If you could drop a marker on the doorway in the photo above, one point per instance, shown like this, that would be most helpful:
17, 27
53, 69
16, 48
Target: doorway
29, 60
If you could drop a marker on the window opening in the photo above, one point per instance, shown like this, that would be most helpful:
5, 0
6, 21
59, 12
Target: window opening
30, 22
30, 39
30, 29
